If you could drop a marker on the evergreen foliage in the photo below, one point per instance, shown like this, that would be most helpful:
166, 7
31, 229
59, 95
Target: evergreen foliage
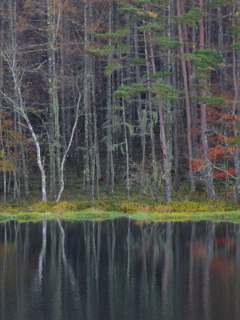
191, 17
130, 78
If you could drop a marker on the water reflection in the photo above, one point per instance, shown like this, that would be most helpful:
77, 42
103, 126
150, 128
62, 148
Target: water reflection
119, 270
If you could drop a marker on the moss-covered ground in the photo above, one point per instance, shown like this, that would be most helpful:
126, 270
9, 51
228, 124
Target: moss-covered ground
74, 205
109, 209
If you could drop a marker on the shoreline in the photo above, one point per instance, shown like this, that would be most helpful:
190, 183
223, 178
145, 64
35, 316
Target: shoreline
176, 211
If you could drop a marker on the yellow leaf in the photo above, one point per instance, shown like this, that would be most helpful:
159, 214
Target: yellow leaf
211, 68
152, 14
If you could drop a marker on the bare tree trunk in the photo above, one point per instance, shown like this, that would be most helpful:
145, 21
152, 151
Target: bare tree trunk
208, 165
19, 107
152, 135
24, 165
95, 159
110, 174
142, 115
97, 167
126, 142
61, 176
39, 159
187, 100
166, 160
87, 111
3, 151
176, 131
234, 113
53, 98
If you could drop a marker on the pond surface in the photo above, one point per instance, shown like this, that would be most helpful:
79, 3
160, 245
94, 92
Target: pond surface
119, 270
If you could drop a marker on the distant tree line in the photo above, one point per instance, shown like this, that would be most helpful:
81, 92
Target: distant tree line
145, 91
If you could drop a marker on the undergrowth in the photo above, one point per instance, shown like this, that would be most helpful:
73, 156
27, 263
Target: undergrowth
75, 205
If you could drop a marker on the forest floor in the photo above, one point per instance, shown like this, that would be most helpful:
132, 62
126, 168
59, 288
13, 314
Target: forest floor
78, 208
75, 205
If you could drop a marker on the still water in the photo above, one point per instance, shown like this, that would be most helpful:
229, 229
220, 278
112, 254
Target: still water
119, 270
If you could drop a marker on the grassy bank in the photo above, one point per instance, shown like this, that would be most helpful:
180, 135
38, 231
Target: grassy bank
149, 211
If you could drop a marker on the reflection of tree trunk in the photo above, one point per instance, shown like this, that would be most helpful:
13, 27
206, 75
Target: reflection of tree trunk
89, 271
42, 254
237, 293
144, 288
68, 270
177, 263
166, 269
127, 269
191, 282
112, 274
4, 270
206, 270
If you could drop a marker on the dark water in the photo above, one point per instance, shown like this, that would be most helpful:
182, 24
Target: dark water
119, 270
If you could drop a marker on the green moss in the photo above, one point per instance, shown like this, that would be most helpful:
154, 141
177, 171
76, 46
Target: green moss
34, 216
6, 217
98, 215
71, 206
76, 207
85, 215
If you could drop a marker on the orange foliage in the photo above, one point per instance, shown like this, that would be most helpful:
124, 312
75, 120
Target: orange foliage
229, 172
10, 140
197, 164
220, 151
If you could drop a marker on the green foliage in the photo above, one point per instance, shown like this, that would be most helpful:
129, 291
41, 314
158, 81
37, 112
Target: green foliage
115, 35
163, 92
205, 60
140, 1
237, 126
160, 74
136, 10
190, 17
112, 67
235, 141
218, 3
136, 61
123, 48
234, 29
156, 26
125, 91
107, 49
165, 42
235, 46
211, 100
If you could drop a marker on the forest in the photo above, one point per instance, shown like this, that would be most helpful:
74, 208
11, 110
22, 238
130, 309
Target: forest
142, 93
